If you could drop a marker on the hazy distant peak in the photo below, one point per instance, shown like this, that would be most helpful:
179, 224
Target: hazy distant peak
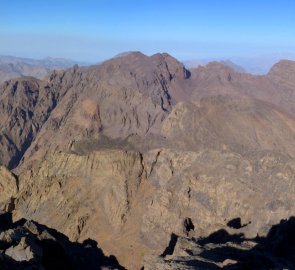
218, 66
14, 67
217, 63
128, 53
233, 65
259, 65
56, 59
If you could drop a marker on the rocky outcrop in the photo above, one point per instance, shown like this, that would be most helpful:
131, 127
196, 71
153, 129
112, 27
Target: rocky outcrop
222, 250
25, 105
29, 245
8, 189
84, 196
212, 187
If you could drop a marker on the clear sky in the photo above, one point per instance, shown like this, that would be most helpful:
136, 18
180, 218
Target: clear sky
90, 30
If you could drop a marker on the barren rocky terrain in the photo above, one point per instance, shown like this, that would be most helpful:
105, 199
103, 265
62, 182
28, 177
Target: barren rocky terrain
164, 167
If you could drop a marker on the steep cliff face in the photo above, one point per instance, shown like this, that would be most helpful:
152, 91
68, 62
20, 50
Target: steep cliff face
131, 204
107, 180
89, 196
8, 189
21, 117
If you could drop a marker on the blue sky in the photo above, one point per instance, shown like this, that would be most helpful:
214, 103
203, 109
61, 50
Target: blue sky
92, 31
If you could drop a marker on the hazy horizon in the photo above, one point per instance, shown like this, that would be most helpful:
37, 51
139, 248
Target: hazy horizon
93, 31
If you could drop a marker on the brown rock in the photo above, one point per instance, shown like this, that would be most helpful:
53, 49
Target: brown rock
8, 189
138, 150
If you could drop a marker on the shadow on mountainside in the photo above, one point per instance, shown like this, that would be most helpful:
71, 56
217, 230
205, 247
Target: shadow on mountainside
275, 251
29, 245
221, 250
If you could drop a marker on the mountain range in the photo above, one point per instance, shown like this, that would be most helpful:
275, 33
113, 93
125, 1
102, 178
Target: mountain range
13, 67
149, 158
258, 65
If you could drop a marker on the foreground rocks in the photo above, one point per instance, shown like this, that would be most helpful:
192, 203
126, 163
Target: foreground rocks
222, 250
28, 245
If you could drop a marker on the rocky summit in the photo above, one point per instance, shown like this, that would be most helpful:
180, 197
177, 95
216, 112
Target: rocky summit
141, 163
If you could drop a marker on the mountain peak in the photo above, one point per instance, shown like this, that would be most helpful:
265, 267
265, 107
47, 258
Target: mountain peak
129, 54
283, 65
218, 66
283, 73
175, 67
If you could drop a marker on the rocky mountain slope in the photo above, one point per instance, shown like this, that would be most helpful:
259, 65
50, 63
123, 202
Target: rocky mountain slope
139, 151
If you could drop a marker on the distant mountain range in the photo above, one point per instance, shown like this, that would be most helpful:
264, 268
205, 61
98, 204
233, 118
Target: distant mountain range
259, 65
13, 67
